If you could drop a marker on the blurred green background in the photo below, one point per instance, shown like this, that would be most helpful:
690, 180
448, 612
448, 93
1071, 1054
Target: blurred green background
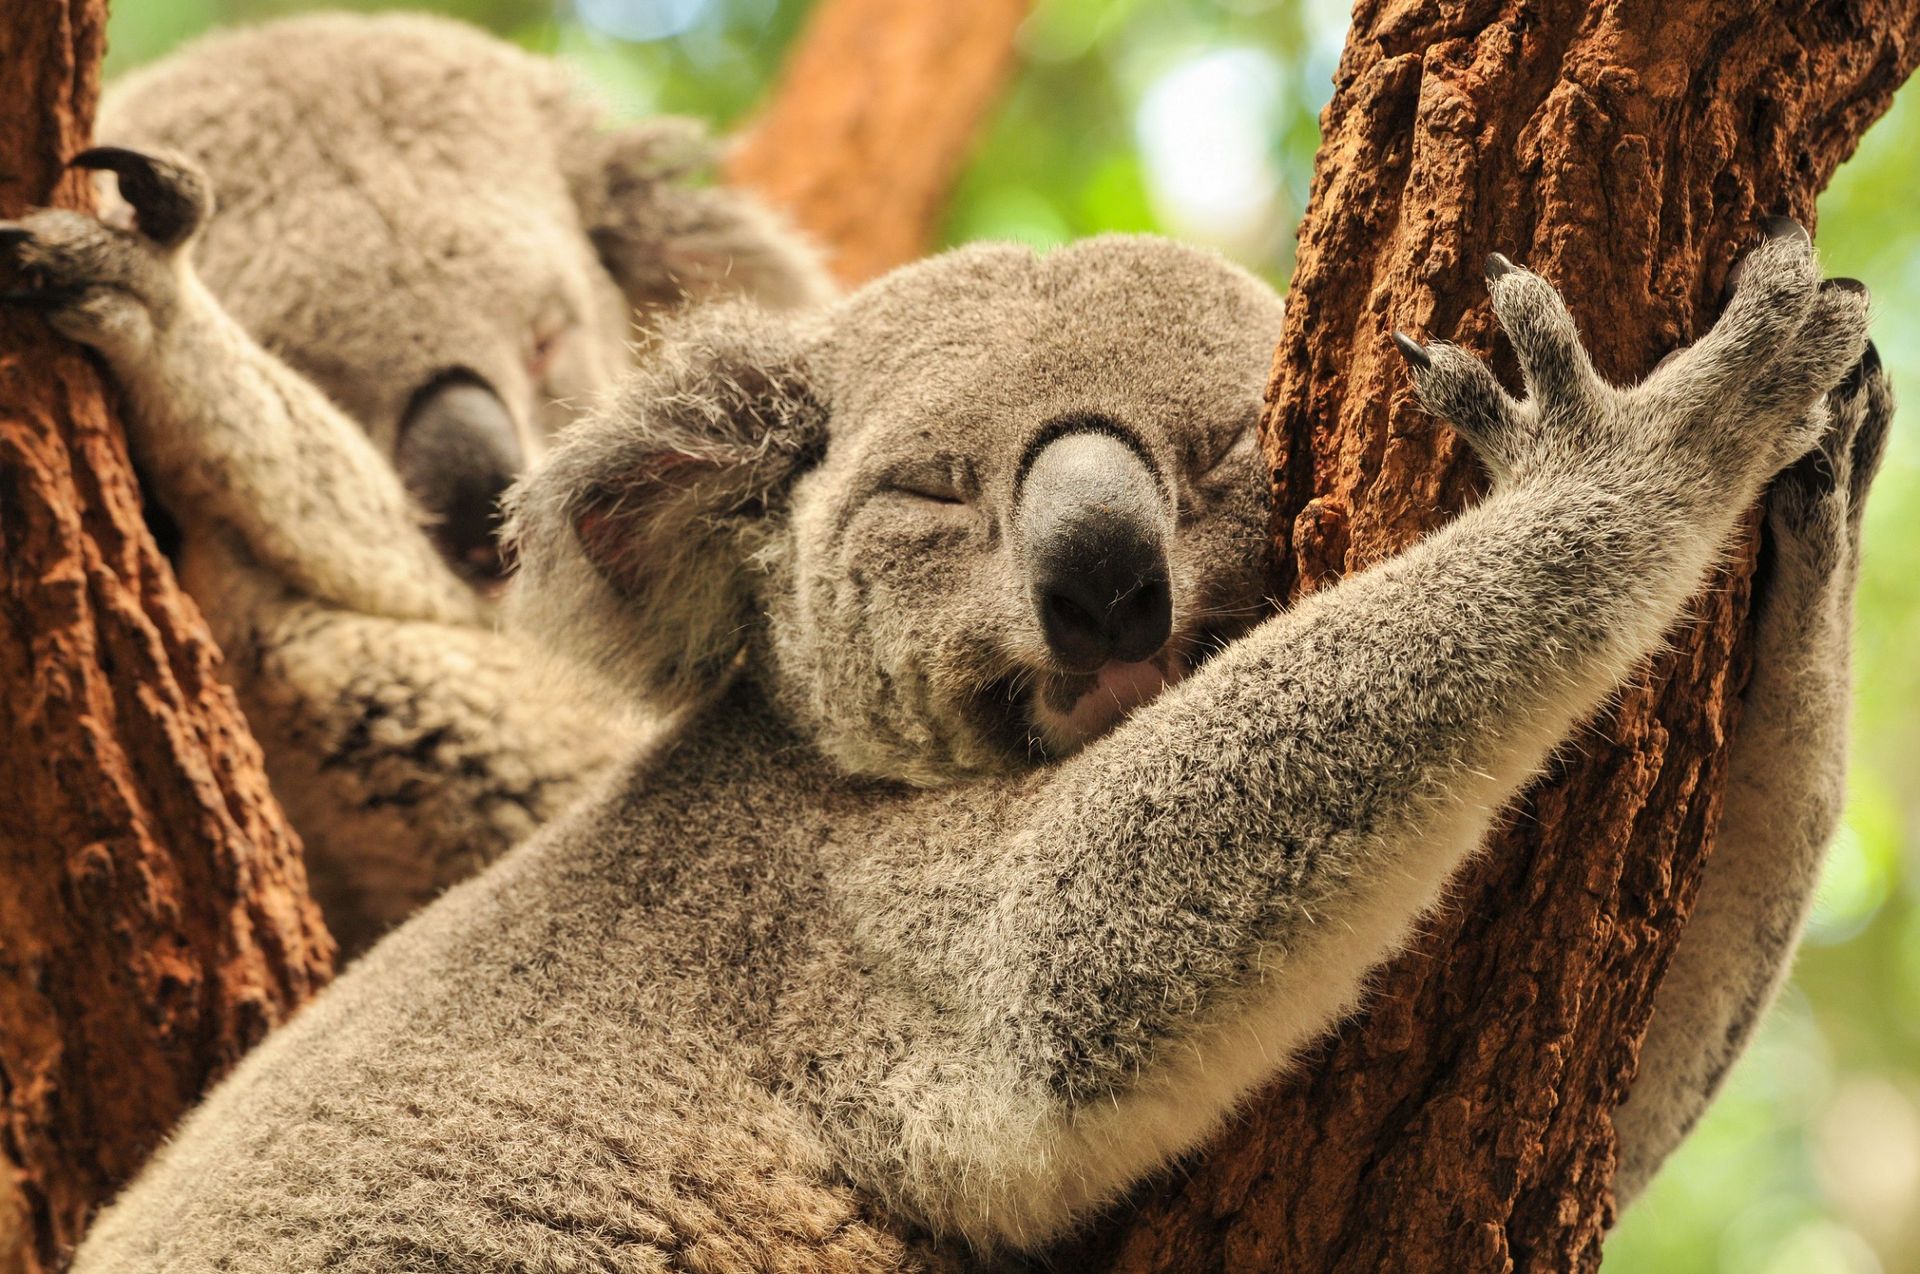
1198, 118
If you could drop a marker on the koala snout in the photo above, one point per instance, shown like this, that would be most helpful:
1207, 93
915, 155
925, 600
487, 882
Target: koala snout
458, 453
1093, 527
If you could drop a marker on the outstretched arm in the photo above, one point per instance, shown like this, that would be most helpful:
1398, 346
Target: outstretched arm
1784, 793
1193, 898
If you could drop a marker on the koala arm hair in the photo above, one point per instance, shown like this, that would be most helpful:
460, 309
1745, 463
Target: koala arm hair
1194, 899
233, 438
410, 753
1785, 790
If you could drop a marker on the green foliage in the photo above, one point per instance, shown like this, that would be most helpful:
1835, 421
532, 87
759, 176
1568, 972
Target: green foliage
1131, 115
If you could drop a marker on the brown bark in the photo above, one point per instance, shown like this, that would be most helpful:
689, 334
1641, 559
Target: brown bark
1625, 151
154, 919
872, 121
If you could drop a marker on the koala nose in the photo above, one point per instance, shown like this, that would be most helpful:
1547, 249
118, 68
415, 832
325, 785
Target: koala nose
458, 453
1094, 527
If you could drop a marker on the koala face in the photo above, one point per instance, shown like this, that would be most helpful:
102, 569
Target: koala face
1037, 507
435, 228
964, 521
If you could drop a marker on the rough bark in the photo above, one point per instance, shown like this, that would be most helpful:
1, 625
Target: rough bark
1624, 150
154, 918
872, 120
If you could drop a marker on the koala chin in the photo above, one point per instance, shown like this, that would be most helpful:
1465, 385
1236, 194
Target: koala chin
1004, 840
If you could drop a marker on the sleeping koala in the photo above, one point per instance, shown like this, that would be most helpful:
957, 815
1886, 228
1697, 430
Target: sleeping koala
1003, 846
429, 253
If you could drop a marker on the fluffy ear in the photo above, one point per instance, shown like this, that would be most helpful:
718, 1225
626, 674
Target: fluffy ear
666, 240
635, 540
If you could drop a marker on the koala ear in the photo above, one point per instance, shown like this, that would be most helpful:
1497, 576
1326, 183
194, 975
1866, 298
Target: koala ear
666, 240
635, 541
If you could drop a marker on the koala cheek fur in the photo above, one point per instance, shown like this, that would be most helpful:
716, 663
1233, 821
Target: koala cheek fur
796, 1004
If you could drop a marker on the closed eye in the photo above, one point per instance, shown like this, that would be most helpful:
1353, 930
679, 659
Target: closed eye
1237, 446
933, 493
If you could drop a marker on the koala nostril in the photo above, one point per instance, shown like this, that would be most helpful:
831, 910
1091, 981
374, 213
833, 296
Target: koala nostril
1074, 632
1142, 621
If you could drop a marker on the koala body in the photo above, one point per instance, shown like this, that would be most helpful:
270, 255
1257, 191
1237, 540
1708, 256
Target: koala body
429, 252
1003, 845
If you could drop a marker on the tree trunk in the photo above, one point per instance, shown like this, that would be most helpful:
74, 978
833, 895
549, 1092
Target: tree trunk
1625, 152
872, 121
154, 918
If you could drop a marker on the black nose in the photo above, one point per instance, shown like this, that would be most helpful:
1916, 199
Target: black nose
1094, 526
458, 453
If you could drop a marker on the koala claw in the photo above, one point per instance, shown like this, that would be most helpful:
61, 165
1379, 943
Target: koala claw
171, 199
1785, 228
1412, 350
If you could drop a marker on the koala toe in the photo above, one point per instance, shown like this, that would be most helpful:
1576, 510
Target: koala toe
1874, 395
1828, 345
1544, 336
97, 285
1462, 390
1779, 283
170, 196
1826, 488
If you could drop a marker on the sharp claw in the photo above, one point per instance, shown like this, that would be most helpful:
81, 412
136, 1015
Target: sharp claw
1413, 351
1784, 228
115, 159
1498, 265
1854, 286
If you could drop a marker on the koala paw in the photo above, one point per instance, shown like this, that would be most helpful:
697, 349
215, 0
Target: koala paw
1729, 412
98, 284
1815, 504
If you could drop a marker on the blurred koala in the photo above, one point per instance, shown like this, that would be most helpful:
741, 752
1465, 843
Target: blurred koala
429, 252
1007, 842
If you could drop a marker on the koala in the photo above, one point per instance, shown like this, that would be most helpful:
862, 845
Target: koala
1001, 844
429, 254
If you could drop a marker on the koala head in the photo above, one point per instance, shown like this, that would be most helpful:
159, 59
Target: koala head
436, 228
965, 519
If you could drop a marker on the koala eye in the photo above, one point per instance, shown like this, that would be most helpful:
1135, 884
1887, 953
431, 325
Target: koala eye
936, 482
549, 334
936, 493
1236, 446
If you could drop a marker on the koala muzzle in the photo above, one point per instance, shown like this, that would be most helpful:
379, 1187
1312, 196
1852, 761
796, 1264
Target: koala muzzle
458, 453
1093, 526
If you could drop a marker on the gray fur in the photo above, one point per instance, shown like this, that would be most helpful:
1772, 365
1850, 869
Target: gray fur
853, 972
399, 198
